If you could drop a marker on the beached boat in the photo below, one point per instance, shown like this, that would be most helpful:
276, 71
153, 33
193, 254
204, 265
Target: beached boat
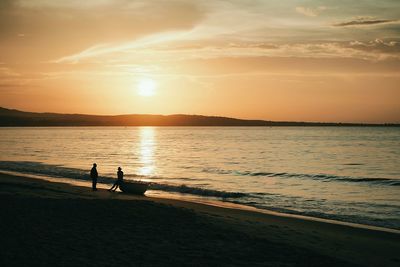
134, 187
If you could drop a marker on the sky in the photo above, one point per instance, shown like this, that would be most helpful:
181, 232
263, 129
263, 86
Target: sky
311, 60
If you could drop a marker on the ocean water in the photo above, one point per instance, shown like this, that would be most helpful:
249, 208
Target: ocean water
346, 174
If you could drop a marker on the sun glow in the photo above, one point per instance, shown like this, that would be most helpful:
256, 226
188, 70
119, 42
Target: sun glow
147, 87
146, 151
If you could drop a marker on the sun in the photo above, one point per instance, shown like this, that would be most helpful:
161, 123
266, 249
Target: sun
147, 87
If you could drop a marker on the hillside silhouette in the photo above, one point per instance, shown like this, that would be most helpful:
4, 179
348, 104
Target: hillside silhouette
13, 118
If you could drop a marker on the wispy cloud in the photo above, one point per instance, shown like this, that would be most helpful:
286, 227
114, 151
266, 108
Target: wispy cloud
374, 50
310, 12
378, 45
104, 49
365, 21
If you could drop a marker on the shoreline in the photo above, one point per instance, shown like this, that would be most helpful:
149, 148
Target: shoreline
321, 241
200, 200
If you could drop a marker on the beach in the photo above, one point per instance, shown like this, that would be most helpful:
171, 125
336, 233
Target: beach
58, 224
240, 133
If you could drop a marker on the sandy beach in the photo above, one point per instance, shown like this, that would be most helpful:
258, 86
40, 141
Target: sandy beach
57, 224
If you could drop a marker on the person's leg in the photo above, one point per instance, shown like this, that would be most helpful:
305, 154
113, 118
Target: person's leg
111, 189
94, 182
116, 185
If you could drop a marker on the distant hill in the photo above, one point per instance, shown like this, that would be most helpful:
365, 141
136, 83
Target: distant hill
12, 117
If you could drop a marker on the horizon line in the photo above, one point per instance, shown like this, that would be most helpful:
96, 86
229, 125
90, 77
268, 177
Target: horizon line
210, 116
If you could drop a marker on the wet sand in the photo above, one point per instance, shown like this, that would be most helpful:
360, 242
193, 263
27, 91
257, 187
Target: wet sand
57, 224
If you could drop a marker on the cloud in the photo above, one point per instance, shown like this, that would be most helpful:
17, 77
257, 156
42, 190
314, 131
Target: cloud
57, 28
174, 47
104, 49
365, 21
377, 45
310, 12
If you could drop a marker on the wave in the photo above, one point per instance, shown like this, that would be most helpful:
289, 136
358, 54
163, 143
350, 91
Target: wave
320, 177
268, 201
38, 168
196, 191
386, 222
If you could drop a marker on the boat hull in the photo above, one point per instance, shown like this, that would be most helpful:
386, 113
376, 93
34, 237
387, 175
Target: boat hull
134, 188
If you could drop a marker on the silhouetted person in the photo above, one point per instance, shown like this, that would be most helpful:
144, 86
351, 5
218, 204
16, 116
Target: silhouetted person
94, 175
120, 180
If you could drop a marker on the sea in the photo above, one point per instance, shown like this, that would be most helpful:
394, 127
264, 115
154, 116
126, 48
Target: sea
348, 174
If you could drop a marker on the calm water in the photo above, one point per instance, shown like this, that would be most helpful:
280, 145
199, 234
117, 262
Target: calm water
347, 174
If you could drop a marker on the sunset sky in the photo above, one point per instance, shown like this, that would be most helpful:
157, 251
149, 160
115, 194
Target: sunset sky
333, 60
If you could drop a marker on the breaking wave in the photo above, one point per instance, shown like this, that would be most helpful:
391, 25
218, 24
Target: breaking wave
38, 168
47, 170
196, 191
320, 177
384, 214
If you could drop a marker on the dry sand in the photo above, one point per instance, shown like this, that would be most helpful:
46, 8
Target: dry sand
56, 224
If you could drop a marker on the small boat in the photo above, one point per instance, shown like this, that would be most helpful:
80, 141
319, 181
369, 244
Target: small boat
134, 187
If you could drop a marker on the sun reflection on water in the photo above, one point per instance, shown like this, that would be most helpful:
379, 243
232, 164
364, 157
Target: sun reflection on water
146, 151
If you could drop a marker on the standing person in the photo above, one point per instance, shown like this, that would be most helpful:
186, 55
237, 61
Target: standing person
94, 175
120, 180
